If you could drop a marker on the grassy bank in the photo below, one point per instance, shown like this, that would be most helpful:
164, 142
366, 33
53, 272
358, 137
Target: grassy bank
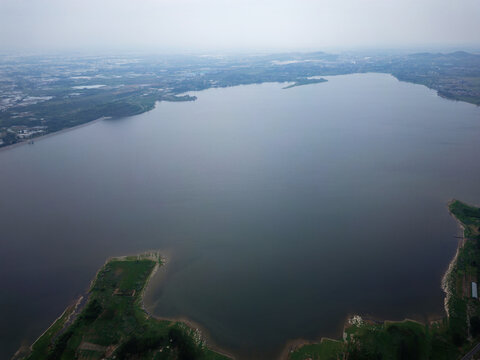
113, 324
447, 339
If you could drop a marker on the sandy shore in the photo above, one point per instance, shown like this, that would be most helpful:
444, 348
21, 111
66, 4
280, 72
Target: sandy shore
445, 283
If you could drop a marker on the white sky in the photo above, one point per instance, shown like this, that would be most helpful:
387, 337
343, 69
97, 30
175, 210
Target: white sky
201, 25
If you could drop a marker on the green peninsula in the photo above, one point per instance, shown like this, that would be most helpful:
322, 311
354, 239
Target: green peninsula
449, 338
112, 324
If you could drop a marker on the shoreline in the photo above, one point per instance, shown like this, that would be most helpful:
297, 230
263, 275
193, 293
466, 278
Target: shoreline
295, 344
204, 334
53, 133
445, 284
293, 83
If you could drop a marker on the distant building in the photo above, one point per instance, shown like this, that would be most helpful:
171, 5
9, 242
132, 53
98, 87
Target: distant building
474, 290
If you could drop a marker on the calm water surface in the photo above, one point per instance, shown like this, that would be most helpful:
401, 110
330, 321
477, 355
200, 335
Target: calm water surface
282, 211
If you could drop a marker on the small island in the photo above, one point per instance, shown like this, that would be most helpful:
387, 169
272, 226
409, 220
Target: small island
113, 324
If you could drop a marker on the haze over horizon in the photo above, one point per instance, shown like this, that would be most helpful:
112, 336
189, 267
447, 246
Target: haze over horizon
224, 25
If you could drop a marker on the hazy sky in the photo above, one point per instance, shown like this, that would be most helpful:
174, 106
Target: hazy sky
200, 25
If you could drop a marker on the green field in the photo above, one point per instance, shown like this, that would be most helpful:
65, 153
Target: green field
113, 324
326, 349
367, 340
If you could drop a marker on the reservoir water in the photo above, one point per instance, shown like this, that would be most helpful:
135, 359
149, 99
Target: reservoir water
281, 211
